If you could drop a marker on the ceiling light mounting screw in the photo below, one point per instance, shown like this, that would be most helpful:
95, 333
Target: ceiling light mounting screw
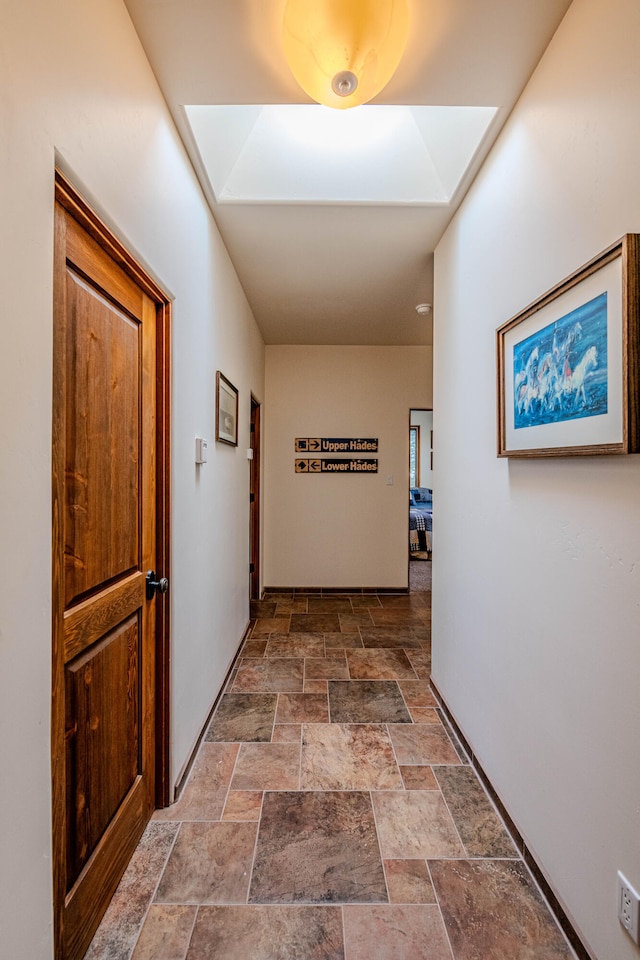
344, 83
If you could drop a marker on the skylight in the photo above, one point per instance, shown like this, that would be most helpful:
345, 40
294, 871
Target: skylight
311, 154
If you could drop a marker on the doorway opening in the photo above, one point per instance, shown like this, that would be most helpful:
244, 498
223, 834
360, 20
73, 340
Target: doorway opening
254, 502
420, 498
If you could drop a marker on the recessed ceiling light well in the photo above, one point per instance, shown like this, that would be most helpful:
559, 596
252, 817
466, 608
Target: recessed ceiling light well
306, 153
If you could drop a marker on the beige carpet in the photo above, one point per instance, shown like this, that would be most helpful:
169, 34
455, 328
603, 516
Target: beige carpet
419, 576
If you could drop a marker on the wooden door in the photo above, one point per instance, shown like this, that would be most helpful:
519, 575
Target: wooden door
254, 503
104, 746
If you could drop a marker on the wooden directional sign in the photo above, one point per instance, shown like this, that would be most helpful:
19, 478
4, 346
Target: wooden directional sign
321, 445
336, 465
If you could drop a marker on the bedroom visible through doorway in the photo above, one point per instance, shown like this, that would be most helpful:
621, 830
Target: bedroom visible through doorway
420, 491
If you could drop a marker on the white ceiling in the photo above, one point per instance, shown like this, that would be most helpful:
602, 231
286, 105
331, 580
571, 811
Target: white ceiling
348, 266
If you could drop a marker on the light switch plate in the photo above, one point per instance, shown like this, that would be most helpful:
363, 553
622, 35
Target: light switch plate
202, 449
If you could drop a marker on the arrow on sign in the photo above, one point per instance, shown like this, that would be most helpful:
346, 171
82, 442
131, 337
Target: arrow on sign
315, 466
314, 444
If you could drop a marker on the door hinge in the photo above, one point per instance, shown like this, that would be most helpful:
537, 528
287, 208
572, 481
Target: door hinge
252, 568
252, 498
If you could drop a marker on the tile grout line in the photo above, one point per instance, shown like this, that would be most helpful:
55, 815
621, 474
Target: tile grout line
382, 858
494, 808
233, 770
191, 932
275, 717
395, 755
438, 904
344, 931
451, 816
255, 849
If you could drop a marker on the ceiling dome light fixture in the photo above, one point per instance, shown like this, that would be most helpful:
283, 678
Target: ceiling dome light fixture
344, 52
423, 309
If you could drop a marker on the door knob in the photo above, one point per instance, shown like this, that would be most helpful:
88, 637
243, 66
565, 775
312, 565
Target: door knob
160, 585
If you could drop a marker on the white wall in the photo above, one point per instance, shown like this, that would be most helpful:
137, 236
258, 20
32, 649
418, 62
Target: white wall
540, 663
340, 531
74, 80
424, 420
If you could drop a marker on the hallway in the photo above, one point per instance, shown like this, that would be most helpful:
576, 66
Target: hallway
330, 814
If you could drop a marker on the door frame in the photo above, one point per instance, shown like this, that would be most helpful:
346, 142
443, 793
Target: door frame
254, 501
415, 410
68, 197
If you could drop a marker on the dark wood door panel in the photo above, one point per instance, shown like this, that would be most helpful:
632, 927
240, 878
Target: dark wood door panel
102, 442
101, 269
86, 622
103, 737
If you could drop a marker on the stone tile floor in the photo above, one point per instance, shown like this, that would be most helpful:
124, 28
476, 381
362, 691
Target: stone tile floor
330, 814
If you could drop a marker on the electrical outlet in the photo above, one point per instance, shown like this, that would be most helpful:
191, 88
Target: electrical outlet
629, 908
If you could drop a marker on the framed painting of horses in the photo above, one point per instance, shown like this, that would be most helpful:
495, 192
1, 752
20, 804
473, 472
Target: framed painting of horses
569, 363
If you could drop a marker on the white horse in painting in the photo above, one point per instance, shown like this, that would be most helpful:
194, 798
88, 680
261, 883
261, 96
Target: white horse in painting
542, 383
574, 383
526, 382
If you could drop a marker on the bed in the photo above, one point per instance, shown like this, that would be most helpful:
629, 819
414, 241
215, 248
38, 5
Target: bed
420, 519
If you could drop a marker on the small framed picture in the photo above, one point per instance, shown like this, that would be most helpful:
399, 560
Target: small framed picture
226, 411
568, 364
